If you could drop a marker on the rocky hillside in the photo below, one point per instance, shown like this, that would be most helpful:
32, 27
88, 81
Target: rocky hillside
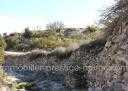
114, 57
100, 65
61, 67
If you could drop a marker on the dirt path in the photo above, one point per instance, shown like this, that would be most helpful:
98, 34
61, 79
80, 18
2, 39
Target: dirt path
15, 53
4, 88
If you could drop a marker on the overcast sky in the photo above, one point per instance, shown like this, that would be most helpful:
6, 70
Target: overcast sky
15, 15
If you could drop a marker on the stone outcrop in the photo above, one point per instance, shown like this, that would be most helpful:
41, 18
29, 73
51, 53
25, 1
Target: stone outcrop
110, 65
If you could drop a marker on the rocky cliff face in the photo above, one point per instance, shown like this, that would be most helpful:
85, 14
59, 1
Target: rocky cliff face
98, 64
114, 59
111, 71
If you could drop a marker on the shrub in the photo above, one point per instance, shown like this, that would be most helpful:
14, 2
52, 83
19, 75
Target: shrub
24, 85
93, 28
13, 41
27, 33
2, 42
2, 46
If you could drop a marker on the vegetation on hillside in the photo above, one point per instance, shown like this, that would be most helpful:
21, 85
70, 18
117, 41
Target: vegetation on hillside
48, 39
2, 46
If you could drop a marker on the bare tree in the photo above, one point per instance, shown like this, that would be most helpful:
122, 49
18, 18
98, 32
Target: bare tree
55, 26
117, 14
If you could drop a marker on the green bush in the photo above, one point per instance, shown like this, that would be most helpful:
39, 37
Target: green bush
27, 33
2, 42
13, 41
24, 85
93, 28
2, 46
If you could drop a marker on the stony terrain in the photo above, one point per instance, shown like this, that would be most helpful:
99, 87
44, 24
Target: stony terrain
101, 65
61, 57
